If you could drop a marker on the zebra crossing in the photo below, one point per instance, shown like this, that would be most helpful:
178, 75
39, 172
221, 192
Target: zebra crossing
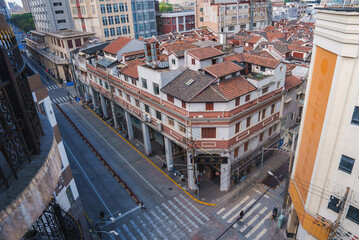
60, 99
173, 219
252, 224
53, 87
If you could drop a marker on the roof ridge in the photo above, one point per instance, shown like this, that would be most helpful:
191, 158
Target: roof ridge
221, 94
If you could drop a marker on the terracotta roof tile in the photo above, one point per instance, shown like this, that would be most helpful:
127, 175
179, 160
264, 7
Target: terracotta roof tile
222, 69
117, 45
178, 46
134, 52
205, 53
131, 68
261, 61
254, 39
291, 82
299, 48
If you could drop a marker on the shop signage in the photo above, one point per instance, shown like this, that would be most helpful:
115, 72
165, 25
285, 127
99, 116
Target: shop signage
210, 160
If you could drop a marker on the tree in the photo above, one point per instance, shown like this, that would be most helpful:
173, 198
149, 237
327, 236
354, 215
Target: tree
165, 7
23, 21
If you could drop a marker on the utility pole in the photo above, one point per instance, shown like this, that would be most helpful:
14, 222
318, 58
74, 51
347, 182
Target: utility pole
285, 199
341, 210
192, 144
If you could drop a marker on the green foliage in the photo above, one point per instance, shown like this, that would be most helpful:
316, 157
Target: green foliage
23, 21
165, 7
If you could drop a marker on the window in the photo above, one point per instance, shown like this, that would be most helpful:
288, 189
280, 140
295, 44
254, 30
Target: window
171, 122
272, 109
270, 131
263, 69
183, 104
115, 7
346, 164
144, 83
248, 97
355, 118
231, 28
137, 103
134, 81
69, 43
61, 21
201, 19
57, 4
156, 89
147, 108
170, 98
158, 115
275, 127
173, 61
104, 21
120, 5
109, 8
193, 61
235, 152
117, 19
237, 101
264, 90
78, 42
209, 106
123, 18
59, 12
208, 132
201, 9
245, 147
70, 196
110, 20
128, 97
353, 214
103, 9
124, 30
334, 204
249, 120
264, 113
119, 92
261, 136
106, 32
182, 128
238, 127
118, 30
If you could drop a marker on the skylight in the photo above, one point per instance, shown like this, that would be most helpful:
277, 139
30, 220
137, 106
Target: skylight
189, 82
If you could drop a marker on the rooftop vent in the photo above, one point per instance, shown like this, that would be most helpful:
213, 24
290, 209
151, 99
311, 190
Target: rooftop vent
189, 82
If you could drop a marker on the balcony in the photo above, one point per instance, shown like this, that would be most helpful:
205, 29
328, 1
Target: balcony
26, 198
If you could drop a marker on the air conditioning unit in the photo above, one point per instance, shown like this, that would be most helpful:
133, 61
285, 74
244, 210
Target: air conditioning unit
159, 127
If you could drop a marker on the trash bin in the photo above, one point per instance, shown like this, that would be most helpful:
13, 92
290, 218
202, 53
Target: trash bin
280, 221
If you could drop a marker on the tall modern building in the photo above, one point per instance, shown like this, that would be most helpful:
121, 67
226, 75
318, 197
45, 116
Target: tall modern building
233, 15
4, 10
110, 20
324, 185
25, 6
51, 16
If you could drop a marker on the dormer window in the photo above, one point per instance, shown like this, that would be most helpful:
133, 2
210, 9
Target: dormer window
214, 61
263, 69
193, 61
233, 75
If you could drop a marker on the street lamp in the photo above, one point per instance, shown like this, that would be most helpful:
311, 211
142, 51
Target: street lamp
272, 175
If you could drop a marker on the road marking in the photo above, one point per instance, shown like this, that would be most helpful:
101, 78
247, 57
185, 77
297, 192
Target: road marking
220, 211
258, 225
145, 227
235, 207
154, 227
122, 215
137, 229
187, 209
160, 220
259, 236
253, 219
93, 187
171, 222
176, 217
120, 233
128, 231
239, 212
181, 213
117, 152
63, 99
54, 100
248, 214
194, 207
67, 98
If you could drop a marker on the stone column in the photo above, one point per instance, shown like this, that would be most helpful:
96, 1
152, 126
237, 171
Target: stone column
129, 125
225, 177
103, 105
94, 100
113, 107
146, 138
169, 156
177, 25
190, 171
184, 23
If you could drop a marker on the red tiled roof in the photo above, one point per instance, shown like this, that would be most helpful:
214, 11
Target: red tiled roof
269, 28
222, 69
235, 87
291, 82
254, 39
234, 57
184, 45
261, 61
263, 53
131, 68
299, 48
247, 48
274, 35
205, 52
117, 45
134, 53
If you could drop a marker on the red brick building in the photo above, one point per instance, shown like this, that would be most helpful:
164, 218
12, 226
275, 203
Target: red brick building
175, 22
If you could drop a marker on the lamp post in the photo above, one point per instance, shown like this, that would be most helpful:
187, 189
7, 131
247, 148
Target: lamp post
272, 175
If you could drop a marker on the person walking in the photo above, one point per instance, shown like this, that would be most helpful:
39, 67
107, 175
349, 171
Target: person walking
143, 206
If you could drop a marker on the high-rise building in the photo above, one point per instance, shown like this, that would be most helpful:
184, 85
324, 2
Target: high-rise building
233, 15
51, 16
110, 20
25, 6
324, 185
4, 10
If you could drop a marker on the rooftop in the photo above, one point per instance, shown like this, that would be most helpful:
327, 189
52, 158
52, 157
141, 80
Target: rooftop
222, 69
117, 45
131, 68
207, 43
205, 53
69, 33
291, 82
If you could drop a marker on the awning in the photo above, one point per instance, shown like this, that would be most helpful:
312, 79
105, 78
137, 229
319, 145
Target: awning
288, 100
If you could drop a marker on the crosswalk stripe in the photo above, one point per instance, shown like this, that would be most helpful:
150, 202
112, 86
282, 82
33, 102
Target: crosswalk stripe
67, 98
120, 234
160, 221
181, 233
259, 236
235, 207
239, 212
194, 207
220, 211
155, 227
47, 88
143, 224
54, 100
137, 229
191, 213
185, 216
258, 225
253, 219
64, 99
176, 217
128, 231
59, 100
251, 211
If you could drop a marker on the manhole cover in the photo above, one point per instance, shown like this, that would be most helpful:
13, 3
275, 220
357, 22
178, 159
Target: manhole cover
170, 188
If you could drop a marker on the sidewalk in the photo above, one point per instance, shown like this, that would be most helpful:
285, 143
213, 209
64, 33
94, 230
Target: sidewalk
276, 233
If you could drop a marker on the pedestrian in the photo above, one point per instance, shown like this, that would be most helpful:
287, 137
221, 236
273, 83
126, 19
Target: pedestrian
142, 206
182, 176
164, 165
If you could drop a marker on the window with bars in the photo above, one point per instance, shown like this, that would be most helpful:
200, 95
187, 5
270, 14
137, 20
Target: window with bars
209, 132
209, 106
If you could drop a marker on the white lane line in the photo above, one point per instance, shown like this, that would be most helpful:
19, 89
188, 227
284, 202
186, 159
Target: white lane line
138, 229
183, 215
154, 226
121, 216
239, 212
128, 231
259, 236
266, 196
257, 191
117, 152
55, 86
176, 217
120, 233
63, 99
194, 207
248, 214
220, 211
174, 226
235, 207
54, 100
163, 224
145, 227
253, 219
87, 178
258, 225
187, 209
